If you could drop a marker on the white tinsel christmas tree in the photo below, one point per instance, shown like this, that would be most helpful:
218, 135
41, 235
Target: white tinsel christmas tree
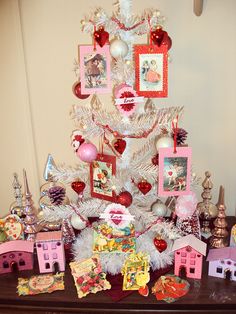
140, 132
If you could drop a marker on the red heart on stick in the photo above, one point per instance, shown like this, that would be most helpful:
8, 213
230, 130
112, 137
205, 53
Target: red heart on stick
78, 186
115, 216
120, 145
101, 36
144, 187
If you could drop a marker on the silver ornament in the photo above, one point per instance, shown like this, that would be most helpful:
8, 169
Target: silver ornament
164, 141
159, 209
77, 223
118, 48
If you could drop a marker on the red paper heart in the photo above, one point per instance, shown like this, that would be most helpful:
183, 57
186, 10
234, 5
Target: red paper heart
157, 36
78, 186
120, 145
101, 37
129, 106
116, 220
170, 173
144, 187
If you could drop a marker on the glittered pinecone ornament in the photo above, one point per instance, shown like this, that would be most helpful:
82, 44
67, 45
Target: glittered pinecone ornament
181, 136
56, 194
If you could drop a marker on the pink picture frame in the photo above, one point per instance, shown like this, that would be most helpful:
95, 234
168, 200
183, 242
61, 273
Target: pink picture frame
101, 171
151, 70
95, 69
174, 171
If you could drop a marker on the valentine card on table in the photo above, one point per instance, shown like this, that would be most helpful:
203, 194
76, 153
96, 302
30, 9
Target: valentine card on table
88, 276
40, 284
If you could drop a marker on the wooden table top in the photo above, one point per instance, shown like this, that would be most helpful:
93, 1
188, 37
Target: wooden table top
207, 295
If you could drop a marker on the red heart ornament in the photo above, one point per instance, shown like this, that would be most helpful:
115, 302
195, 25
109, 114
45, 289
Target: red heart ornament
124, 198
170, 173
144, 187
78, 186
160, 244
157, 36
120, 145
115, 216
101, 36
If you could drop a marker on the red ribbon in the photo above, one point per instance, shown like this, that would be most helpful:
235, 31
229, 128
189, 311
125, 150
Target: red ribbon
175, 129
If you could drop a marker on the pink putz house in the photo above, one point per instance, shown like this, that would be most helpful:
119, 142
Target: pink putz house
50, 251
16, 255
189, 252
222, 263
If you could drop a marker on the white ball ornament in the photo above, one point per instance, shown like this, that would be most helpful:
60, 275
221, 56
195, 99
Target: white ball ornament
164, 141
77, 223
159, 209
118, 48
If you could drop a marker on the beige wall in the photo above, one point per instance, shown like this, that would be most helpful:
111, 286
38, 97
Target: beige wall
39, 41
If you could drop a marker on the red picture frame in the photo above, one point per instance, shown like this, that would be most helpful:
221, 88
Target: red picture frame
101, 171
151, 70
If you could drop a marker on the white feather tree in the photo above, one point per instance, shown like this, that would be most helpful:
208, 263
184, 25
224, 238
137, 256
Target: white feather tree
133, 165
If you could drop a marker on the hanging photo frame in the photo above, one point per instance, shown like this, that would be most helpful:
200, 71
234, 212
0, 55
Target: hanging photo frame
151, 70
174, 171
95, 71
101, 171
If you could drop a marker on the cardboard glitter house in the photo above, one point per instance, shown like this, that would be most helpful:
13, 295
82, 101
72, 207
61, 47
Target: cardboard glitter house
16, 255
222, 263
50, 251
189, 252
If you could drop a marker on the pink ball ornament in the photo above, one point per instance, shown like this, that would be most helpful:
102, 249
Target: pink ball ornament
87, 152
186, 205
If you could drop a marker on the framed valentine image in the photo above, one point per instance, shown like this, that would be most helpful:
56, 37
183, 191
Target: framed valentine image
101, 171
174, 171
95, 69
151, 70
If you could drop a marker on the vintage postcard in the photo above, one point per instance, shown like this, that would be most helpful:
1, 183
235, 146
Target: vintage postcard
95, 76
174, 171
101, 171
151, 70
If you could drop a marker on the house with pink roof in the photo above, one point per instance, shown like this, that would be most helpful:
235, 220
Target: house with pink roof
222, 263
16, 255
189, 252
50, 251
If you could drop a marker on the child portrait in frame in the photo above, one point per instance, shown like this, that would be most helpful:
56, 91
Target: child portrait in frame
101, 171
95, 69
174, 171
151, 68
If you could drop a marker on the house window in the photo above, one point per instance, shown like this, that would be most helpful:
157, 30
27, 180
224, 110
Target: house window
192, 255
54, 255
58, 243
192, 270
192, 262
188, 249
235, 273
183, 254
53, 246
198, 255
183, 260
45, 256
219, 270
5, 264
21, 262
229, 262
45, 246
222, 262
47, 265
177, 253
20, 254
